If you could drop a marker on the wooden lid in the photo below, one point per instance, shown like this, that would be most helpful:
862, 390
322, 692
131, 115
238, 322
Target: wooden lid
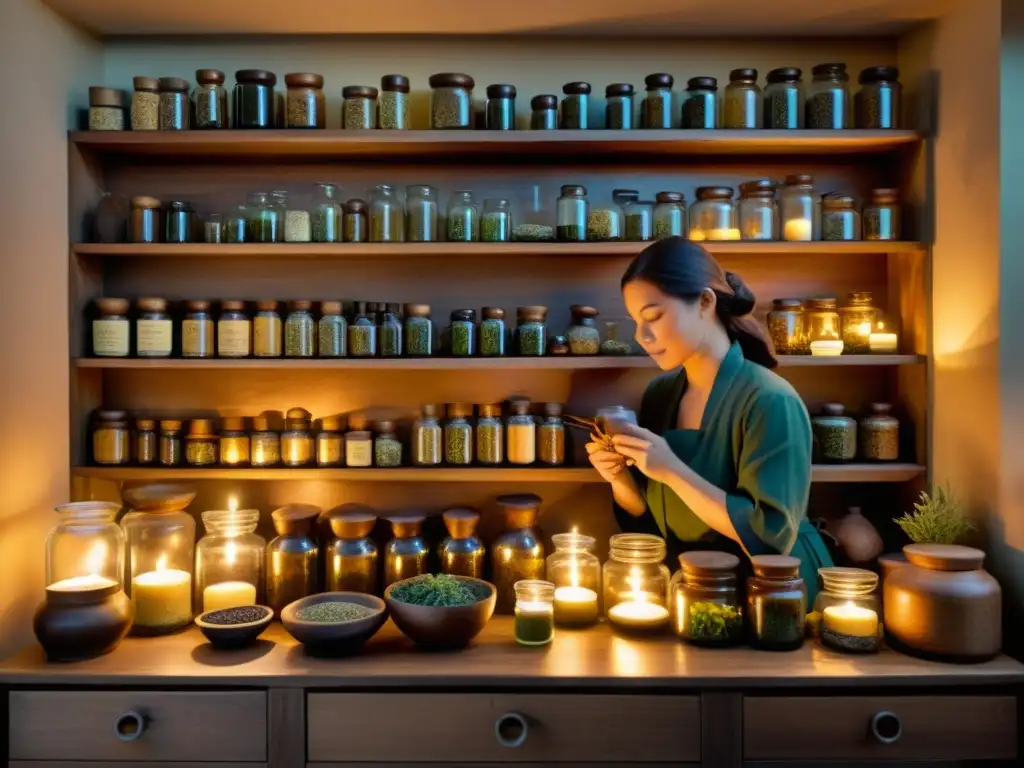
489, 410
152, 305
202, 428
256, 76
534, 313
147, 425
333, 424
260, 424
170, 425
821, 302
113, 306
398, 83
836, 202
101, 96
459, 410
385, 427
407, 525
301, 305
520, 406
492, 313
758, 188
151, 84
330, 307
553, 409
787, 303
417, 310
209, 77
944, 557
294, 519
358, 422
232, 305
266, 305
359, 92
581, 311
743, 75
351, 521
618, 89
174, 84
304, 80
833, 409
885, 196
199, 305
461, 523
451, 80
111, 415
159, 497
714, 193
232, 424
298, 417
520, 509
577, 88
707, 563
775, 566
145, 201
799, 180
668, 197
429, 411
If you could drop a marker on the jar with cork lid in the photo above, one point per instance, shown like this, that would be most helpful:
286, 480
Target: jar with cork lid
330, 442
358, 442
419, 331
531, 331
234, 330
145, 104
800, 209
267, 330
492, 332
146, 444
264, 443
197, 331
713, 216
201, 443
351, 555
170, 442
305, 106
462, 553
583, 336
175, 107
490, 435
332, 330
879, 434
828, 98
254, 99
573, 213
658, 101
521, 445
359, 107
406, 554
111, 438
144, 220
551, 436
427, 438
758, 215
835, 435
300, 330
741, 105
292, 559
700, 104
393, 103
451, 100
391, 331
154, 329
458, 435
210, 100
783, 101
354, 221
362, 333
840, 219
297, 438
111, 335
234, 442
669, 215
881, 219
387, 448
776, 606
575, 114
500, 108
106, 109
618, 107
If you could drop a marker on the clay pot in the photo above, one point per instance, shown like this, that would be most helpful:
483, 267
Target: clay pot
890, 562
72, 626
858, 537
943, 605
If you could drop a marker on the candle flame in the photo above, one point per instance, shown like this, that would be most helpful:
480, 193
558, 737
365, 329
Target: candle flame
635, 581
96, 558
881, 325
161, 563
233, 503
230, 554
864, 329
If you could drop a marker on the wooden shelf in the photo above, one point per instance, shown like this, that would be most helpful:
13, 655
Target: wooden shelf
822, 473
617, 146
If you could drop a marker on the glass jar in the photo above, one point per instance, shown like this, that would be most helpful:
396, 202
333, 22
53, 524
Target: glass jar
106, 109
462, 333
393, 104
427, 438
111, 438
297, 438
611, 344
783, 105
267, 330
387, 448
800, 209
821, 318
359, 447
521, 430
492, 332
879, 434
638, 215
575, 572
234, 442
463, 218
154, 329
605, 224
175, 106
160, 540
706, 607
419, 331
180, 221
145, 442
658, 101
551, 436
254, 101
857, 319
583, 336
787, 326
700, 104
229, 561
264, 444
359, 107
355, 221
458, 435
534, 612
201, 443
776, 603
332, 330
828, 98
330, 442
572, 213
840, 219
300, 330
236, 225
758, 215
406, 554
197, 330
618, 107
305, 106
144, 220
849, 606
490, 435
713, 216
500, 109
265, 220
387, 220
877, 103
636, 582
85, 550
351, 556
531, 331
234, 330
326, 223
461, 553
146, 104
292, 560
575, 106
210, 100
213, 229
111, 330
421, 214
496, 224
362, 333
835, 435
544, 116
518, 553
741, 104
451, 100
881, 219
170, 443
669, 215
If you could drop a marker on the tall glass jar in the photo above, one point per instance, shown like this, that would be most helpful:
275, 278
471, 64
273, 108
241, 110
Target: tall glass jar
583, 336
202, 444
330, 442
229, 561
106, 109
532, 331
387, 219
297, 438
236, 225
421, 214
787, 326
111, 330
551, 436
197, 331
840, 219
170, 443
332, 331
758, 215
305, 106
85, 550
300, 330
636, 582
856, 320
458, 435
492, 332
427, 438
145, 112
879, 434
877, 104
521, 429
406, 554
490, 435
462, 333
669, 215
500, 109
850, 608
358, 444
362, 333
822, 318
518, 553
700, 104
741, 105
658, 102
713, 216
359, 107
145, 442
776, 603
210, 100
393, 104
463, 218
254, 101
419, 331
462, 553
154, 329
111, 438
800, 209
160, 539
496, 223
575, 106
576, 573
387, 448
544, 116
355, 223
213, 229
572, 213
234, 442
264, 444
351, 556
605, 224
175, 108
326, 219
783, 104
451, 100
706, 606
144, 221
265, 221
293, 559
881, 219
835, 435
267, 330
638, 214
180, 222
618, 107
828, 98
390, 332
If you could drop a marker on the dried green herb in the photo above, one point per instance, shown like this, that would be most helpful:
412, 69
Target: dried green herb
571, 232
458, 444
333, 612
489, 441
699, 111
419, 336
938, 519
299, 335
781, 623
463, 339
391, 339
604, 225
492, 337
441, 591
333, 336
387, 452
533, 233
825, 110
496, 227
532, 339
711, 621
362, 339
836, 442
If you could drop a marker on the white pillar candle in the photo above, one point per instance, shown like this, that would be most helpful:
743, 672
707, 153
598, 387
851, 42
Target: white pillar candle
163, 598
883, 343
228, 594
575, 605
849, 619
827, 348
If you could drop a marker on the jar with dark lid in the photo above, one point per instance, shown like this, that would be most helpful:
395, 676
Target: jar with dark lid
293, 560
521, 433
669, 215
551, 436
835, 435
575, 106
406, 554
758, 215
330, 442
462, 333
451, 100
267, 335
111, 330
175, 107
618, 107
463, 218
776, 603
490, 434
170, 443
544, 116
197, 333
180, 222
881, 219
787, 326
234, 330
201, 443
300, 330
359, 107
144, 223
458, 435
305, 106
877, 104
705, 604
332, 330
879, 434
800, 209
351, 556
419, 331
583, 336
234, 442
741, 104
828, 98
264, 444
492, 332
254, 101
840, 219
531, 331
821, 316
783, 102
111, 438
573, 212
500, 110
154, 329
857, 319
145, 442
297, 438
210, 100
387, 448
462, 553
106, 109
362, 333
427, 438
390, 332
146, 104
700, 104
421, 214
518, 553
387, 216
713, 216
393, 103
354, 222
658, 101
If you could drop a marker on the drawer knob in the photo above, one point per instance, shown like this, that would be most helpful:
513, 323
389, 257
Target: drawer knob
886, 727
129, 726
511, 729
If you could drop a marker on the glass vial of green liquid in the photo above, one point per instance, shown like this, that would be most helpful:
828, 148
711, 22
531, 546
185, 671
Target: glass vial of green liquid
535, 612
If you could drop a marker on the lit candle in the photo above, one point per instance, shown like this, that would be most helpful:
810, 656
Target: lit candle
534, 613
638, 609
827, 348
883, 343
163, 598
797, 230
849, 619
723, 234
228, 594
697, 235
575, 606
82, 583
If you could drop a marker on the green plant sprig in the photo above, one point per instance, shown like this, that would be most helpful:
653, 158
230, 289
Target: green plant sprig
938, 519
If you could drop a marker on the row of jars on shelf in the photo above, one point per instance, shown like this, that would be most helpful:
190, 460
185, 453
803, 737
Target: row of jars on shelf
164, 103
840, 438
819, 326
372, 329
519, 438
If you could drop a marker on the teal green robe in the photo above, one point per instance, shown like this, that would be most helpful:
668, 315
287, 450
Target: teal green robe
754, 443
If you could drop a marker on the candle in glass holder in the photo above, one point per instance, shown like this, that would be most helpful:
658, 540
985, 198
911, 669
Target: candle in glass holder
638, 609
228, 594
849, 619
162, 598
797, 230
883, 343
575, 606
827, 348
696, 234
723, 234
534, 612
82, 583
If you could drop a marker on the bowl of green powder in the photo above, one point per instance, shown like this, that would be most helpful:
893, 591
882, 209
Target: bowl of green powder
441, 611
334, 622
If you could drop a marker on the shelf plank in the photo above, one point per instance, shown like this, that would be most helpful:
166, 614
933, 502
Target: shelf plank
821, 473
620, 146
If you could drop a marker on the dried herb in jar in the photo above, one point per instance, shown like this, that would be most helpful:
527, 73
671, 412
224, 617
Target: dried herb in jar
531, 331
392, 106
711, 621
835, 435
427, 438
387, 450
490, 435
492, 332
551, 436
419, 331
463, 333
362, 334
458, 435
390, 335
332, 330
300, 331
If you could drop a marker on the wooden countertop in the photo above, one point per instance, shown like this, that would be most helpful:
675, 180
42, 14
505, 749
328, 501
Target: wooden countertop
594, 658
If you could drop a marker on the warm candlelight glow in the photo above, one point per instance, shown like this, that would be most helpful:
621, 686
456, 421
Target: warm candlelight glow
723, 234
82, 583
97, 558
850, 619
162, 597
233, 503
638, 609
697, 234
882, 342
797, 230
827, 348
228, 594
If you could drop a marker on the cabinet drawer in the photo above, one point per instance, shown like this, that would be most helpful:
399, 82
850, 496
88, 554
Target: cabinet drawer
880, 728
490, 727
105, 725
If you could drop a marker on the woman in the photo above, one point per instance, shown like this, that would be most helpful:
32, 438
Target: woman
722, 455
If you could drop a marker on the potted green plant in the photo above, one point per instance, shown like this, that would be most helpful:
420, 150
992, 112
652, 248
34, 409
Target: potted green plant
936, 519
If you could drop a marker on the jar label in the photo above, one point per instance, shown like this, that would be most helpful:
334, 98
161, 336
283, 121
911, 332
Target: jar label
153, 336
197, 338
359, 453
233, 338
266, 340
110, 338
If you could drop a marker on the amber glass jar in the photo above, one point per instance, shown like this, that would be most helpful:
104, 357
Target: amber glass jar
822, 319
451, 100
264, 444
857, 319
234, 442
359, 107
305, 106
170, 443
145, 442
776, 603
111, 335
267, 330
111, 438
788, 327
297, 438
705, 603
658, 101
210, 100
234, 330
741, 104
835, 435
551, 436
154, 330
144, 221
330, 442
713, 216
881, 218
490, 434
840, 219
201, 444
879, 434
393, 104
145, 109
758, 214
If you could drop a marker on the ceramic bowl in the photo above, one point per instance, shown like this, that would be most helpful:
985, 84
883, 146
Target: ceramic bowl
334, 638
234, 636
440, 627
158, 497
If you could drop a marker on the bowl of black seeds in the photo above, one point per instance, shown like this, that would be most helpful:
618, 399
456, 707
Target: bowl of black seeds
334, 622
234, 628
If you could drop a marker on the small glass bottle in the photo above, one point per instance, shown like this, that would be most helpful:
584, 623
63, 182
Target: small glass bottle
822, 318
236, 225
297, 438
387, 220
741, 104
463, 333
496, 224
800, 209
170, 443
326, 222
611, 344
332, 331
421, 214
111, 330
210, 100
492, 332
406, 554
111, 438
490, 435
881, 219
175, 107
618, 107
146, 449
461, 553
575, 571
106, 109
463, 218
292, 559
788, 327
605, 224
427, 438
669, 215
639, 215
658, 101
451, 100
234, 442
330, 442
358, 444
840, 219
180, 222
145, 104
419, 331
706, 607
713, 216
201, 443
877, 103
154, 329
458, 435
264, 444
583, 336
857, 319
782, 100
197, 331
575, 106
828, 98
390, 332
573, 211
518, 553
144, 220
254, 101
531, 331
362, 333
500, 109
393, 104
758, 214
300, 330
521, 431
213, 229
305, 106
700, 104
351, 557
551, 436
267, 330
879, 434
355, 221
387, 448
776, 603
234, 330
835, 435
359, 107
850, 607
265, 220
534, 612
544, 116
229, 561
635, 582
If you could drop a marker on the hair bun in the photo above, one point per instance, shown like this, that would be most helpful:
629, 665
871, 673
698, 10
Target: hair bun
742, 300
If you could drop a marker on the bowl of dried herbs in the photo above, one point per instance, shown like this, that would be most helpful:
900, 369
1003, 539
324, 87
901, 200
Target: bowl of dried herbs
334, 622
441, 611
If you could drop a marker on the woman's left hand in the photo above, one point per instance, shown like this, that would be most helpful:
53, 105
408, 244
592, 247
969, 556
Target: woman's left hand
647, 451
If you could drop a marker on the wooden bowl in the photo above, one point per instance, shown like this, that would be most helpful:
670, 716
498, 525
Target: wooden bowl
334, 638
440, 627
229, 637
159, 497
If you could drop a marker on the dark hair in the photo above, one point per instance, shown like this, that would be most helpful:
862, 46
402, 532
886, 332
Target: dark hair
683, 269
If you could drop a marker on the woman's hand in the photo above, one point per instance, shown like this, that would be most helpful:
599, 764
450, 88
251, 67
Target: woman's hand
647, 451
608, 464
